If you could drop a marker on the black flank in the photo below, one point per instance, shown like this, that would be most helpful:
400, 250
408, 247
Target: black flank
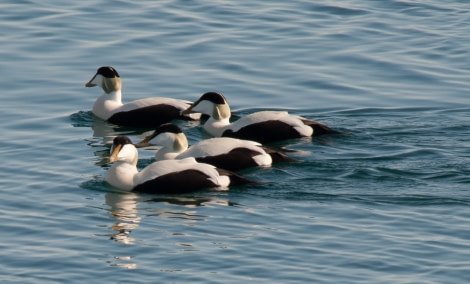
176, 183
265, 132
151, 116
235, 160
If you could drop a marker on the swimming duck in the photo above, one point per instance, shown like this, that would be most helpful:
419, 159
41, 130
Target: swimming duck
262, 126
149, 112
224, 152
168, 176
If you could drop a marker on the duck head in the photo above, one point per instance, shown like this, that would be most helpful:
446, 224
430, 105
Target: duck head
107, 78
167, 135
123, 150
212, 104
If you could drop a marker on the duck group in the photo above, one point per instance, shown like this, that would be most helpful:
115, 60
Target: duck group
210, 163
166, 176
224, 152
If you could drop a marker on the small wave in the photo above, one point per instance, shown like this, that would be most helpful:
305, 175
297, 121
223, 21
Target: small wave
82, 119
338, 10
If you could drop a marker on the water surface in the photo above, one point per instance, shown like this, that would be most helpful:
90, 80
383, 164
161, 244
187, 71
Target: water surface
387, 203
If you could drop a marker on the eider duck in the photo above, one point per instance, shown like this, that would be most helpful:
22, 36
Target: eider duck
223, 152
165, 177
263, 126
149, 112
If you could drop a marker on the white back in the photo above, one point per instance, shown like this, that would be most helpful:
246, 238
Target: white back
219, 145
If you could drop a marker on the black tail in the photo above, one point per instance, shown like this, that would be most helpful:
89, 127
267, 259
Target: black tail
319, 128
237, 179
278, 156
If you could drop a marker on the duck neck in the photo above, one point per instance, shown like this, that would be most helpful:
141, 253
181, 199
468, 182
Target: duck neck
115, 96
165, 153
107, 104
172, 149
216, 127
121, 175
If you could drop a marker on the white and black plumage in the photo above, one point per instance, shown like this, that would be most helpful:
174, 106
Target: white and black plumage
148, 112
263, 126
224, 152
166, 177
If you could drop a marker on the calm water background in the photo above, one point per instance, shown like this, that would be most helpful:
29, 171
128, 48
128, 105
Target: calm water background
388, 203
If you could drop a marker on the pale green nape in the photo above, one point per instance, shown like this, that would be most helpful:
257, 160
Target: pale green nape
181, 143
136, 156
111, 84
221, 111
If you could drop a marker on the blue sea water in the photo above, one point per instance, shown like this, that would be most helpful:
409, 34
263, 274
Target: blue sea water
387, 203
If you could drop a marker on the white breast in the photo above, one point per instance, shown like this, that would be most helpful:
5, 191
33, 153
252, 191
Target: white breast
121, 175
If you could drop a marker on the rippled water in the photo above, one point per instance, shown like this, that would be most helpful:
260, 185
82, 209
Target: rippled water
387, 203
